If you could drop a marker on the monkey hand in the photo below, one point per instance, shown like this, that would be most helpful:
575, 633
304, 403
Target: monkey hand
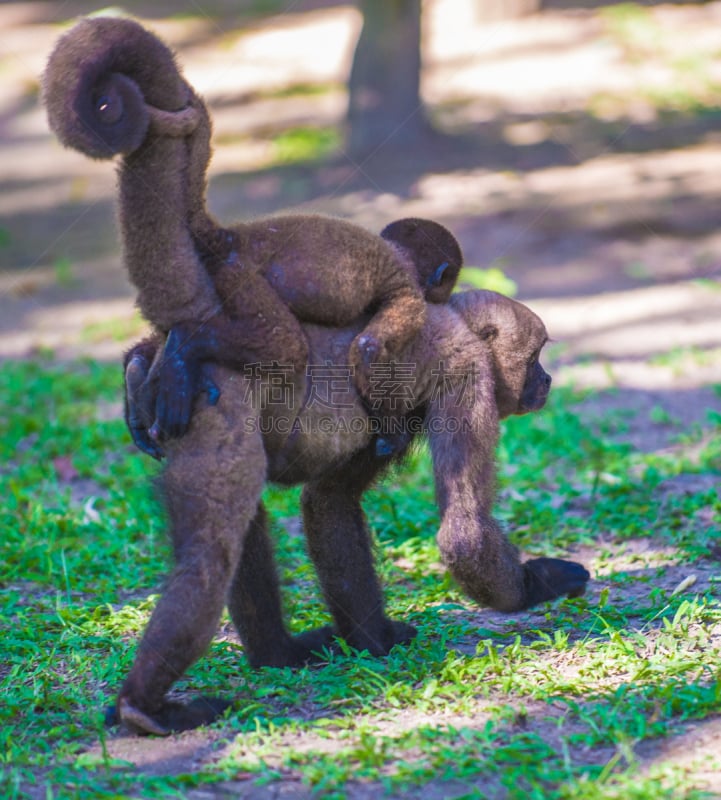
549, 578
181, 380
138, 404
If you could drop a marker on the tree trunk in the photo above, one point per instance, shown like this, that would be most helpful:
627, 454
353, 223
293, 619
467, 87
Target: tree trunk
385, 107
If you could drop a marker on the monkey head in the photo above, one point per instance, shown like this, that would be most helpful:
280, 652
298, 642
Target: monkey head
434, 251
515, 336
108, 82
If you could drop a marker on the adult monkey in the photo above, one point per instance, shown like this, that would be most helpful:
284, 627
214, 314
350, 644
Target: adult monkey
112, 87
485, 348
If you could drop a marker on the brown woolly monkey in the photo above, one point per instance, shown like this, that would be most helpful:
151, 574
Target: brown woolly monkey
231, 294
476, 360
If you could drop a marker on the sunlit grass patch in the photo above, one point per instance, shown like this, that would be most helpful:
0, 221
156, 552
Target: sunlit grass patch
553, 703
492, 278
305, 144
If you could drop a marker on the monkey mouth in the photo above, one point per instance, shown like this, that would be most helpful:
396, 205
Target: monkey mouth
536, 403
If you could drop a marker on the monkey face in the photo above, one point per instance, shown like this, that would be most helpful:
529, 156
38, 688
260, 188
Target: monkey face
536, 387
515, 336
522, 384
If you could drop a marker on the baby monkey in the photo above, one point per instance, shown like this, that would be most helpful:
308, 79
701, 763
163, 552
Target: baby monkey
234, 295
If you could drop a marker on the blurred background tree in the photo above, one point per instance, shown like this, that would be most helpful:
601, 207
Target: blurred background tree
384, 87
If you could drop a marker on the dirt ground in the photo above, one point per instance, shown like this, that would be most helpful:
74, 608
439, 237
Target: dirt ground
556, 165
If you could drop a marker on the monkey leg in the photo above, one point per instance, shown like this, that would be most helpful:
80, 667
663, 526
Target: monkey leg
255, 607
398, 318
212, 485
254, 328
339, 544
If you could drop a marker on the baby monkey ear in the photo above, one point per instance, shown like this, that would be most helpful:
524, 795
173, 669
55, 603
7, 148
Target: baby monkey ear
436, 279
488, 333
435, 253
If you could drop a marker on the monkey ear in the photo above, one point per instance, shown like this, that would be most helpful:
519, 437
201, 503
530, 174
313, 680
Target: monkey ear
488, 333
437, 277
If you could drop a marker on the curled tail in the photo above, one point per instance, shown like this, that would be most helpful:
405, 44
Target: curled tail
107, 82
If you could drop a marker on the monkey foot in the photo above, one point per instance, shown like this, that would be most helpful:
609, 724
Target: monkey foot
386, 447
135, 374
309, 647
403, 633
171, 717
297, 651
549, 578
366, 352
380, 643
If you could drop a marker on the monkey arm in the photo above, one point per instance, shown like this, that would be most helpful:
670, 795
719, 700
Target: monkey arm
463, 431
399, 317
462, 420
473, 546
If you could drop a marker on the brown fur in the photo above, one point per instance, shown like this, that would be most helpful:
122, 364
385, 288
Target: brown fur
232, 294
486, 346
435, 253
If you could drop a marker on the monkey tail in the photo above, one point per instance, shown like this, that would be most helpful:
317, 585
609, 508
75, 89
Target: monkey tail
105, 83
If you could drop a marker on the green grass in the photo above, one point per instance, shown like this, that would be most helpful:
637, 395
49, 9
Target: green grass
551, 704
492, 278
297, 145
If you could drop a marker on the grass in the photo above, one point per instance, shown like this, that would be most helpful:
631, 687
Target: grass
492, 278
551, 704
297, 145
